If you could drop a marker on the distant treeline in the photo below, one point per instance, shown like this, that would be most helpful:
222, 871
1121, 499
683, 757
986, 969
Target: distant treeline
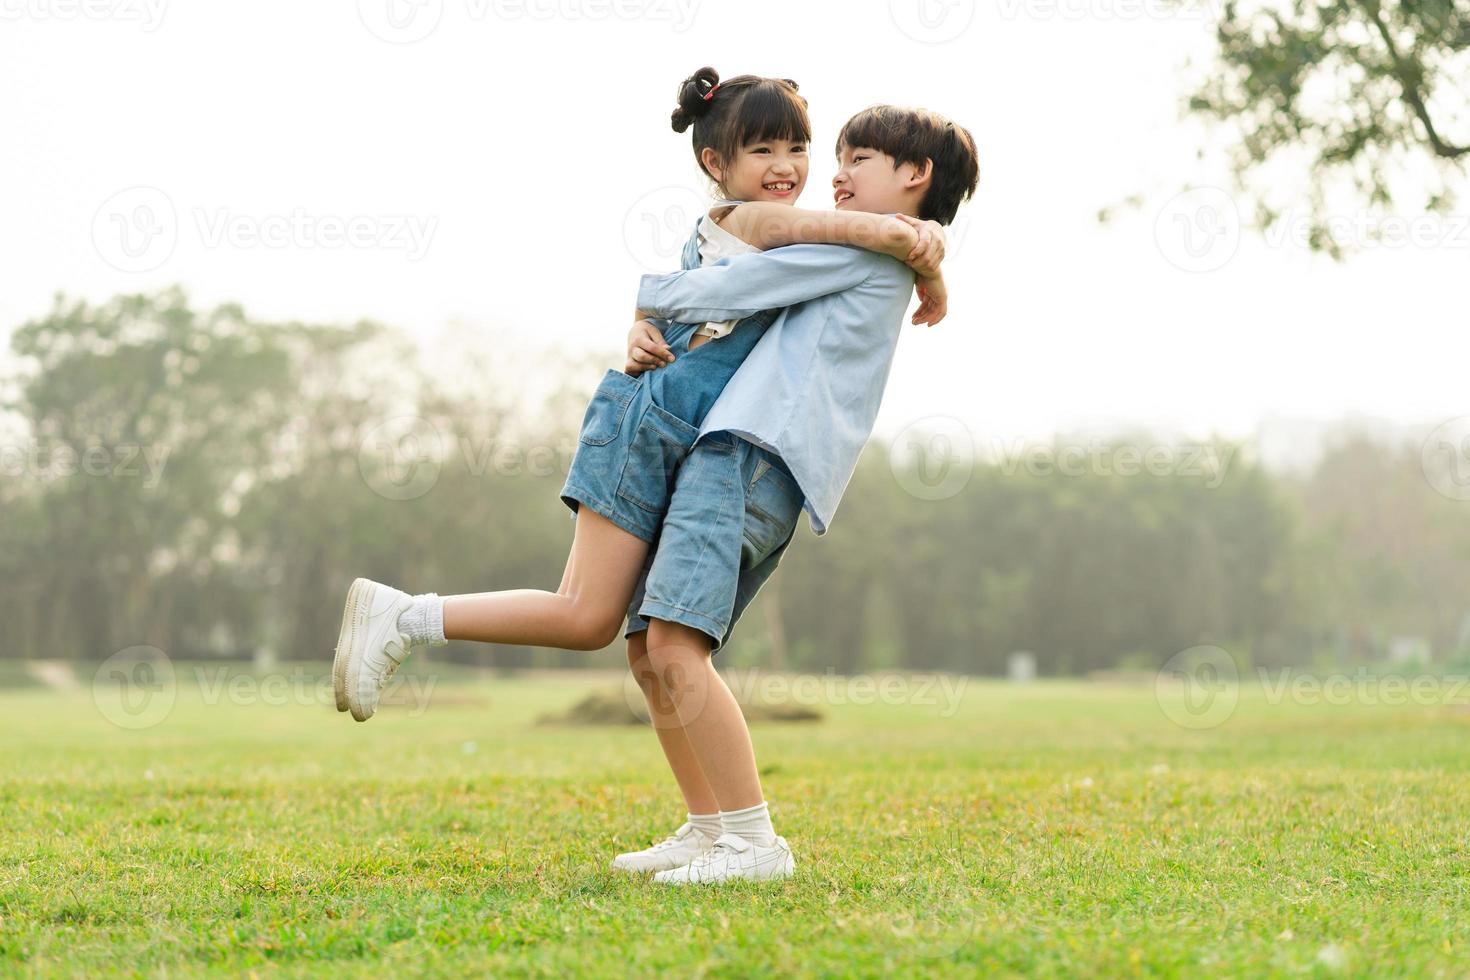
208, 484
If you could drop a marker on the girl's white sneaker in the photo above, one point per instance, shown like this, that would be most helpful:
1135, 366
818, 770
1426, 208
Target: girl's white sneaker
370, 646
686, 844
734, 857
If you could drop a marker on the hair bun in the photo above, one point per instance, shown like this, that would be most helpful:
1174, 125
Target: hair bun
693, 98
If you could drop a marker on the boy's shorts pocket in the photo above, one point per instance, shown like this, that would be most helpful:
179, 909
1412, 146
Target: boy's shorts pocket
609, 405
772, 507
659, 446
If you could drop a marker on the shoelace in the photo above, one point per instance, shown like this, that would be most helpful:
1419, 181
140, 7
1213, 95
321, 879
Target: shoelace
673, 840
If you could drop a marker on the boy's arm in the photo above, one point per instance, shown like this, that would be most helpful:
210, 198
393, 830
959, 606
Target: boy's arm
919, 244
735, 288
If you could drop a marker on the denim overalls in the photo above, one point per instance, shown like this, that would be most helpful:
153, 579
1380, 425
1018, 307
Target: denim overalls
637, 431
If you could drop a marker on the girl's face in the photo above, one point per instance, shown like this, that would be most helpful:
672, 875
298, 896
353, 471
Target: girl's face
773, 170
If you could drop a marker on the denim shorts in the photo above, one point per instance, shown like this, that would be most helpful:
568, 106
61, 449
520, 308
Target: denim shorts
731, 517
627, 456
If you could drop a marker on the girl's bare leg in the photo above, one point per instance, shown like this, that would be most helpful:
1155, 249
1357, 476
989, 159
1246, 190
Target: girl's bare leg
584, 613
698, 796
710, 717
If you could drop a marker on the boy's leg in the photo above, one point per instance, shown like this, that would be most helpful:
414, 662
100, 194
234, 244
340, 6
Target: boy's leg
712, 724
699, 833
698, 796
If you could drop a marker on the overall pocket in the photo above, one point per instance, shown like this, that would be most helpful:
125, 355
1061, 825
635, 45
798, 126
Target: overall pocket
659, 446
604, 418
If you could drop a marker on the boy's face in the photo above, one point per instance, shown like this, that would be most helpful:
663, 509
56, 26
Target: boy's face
867, 180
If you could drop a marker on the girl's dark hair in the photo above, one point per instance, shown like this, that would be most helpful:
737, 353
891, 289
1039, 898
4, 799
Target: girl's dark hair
743, 110
911, 136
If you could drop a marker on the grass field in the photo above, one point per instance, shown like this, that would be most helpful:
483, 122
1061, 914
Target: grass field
1052, 829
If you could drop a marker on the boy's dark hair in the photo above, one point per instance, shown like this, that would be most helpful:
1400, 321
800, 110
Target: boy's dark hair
911, 135
746, 109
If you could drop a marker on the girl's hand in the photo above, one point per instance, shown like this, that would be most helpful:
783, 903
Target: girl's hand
933, 301
928, 252
646, 349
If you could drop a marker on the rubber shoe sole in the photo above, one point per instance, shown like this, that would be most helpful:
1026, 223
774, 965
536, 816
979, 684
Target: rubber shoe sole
354, 622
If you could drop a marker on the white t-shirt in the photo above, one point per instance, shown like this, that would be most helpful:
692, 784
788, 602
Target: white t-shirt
716, 243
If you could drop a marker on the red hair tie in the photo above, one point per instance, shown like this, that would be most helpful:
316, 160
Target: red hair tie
711, 93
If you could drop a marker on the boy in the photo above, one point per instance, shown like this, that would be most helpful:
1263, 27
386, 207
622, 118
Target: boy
784, 435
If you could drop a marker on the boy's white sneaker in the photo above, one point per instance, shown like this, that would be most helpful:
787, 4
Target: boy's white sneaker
734, 857
686, 844
369, 647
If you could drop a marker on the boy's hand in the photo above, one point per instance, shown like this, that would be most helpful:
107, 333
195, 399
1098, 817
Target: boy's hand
933, 301
928, 252
646, 349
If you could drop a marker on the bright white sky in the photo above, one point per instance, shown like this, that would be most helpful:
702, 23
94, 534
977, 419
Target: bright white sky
528, 141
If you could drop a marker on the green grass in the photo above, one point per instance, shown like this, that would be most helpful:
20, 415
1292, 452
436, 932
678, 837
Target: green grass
1056, 829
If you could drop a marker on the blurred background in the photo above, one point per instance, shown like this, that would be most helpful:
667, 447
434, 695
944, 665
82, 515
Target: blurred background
297, 293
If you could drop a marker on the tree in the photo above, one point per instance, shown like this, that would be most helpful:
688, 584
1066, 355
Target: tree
1362, 99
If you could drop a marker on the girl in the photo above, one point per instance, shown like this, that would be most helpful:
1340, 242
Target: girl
750, 137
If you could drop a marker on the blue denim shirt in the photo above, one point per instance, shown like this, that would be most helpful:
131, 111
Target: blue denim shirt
809, 391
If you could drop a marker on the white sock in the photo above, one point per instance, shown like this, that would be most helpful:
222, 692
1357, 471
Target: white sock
707, 824
753, 823
424, 621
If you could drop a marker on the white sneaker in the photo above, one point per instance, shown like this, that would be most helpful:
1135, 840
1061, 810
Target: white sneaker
369, 646
686, 844
734, 857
